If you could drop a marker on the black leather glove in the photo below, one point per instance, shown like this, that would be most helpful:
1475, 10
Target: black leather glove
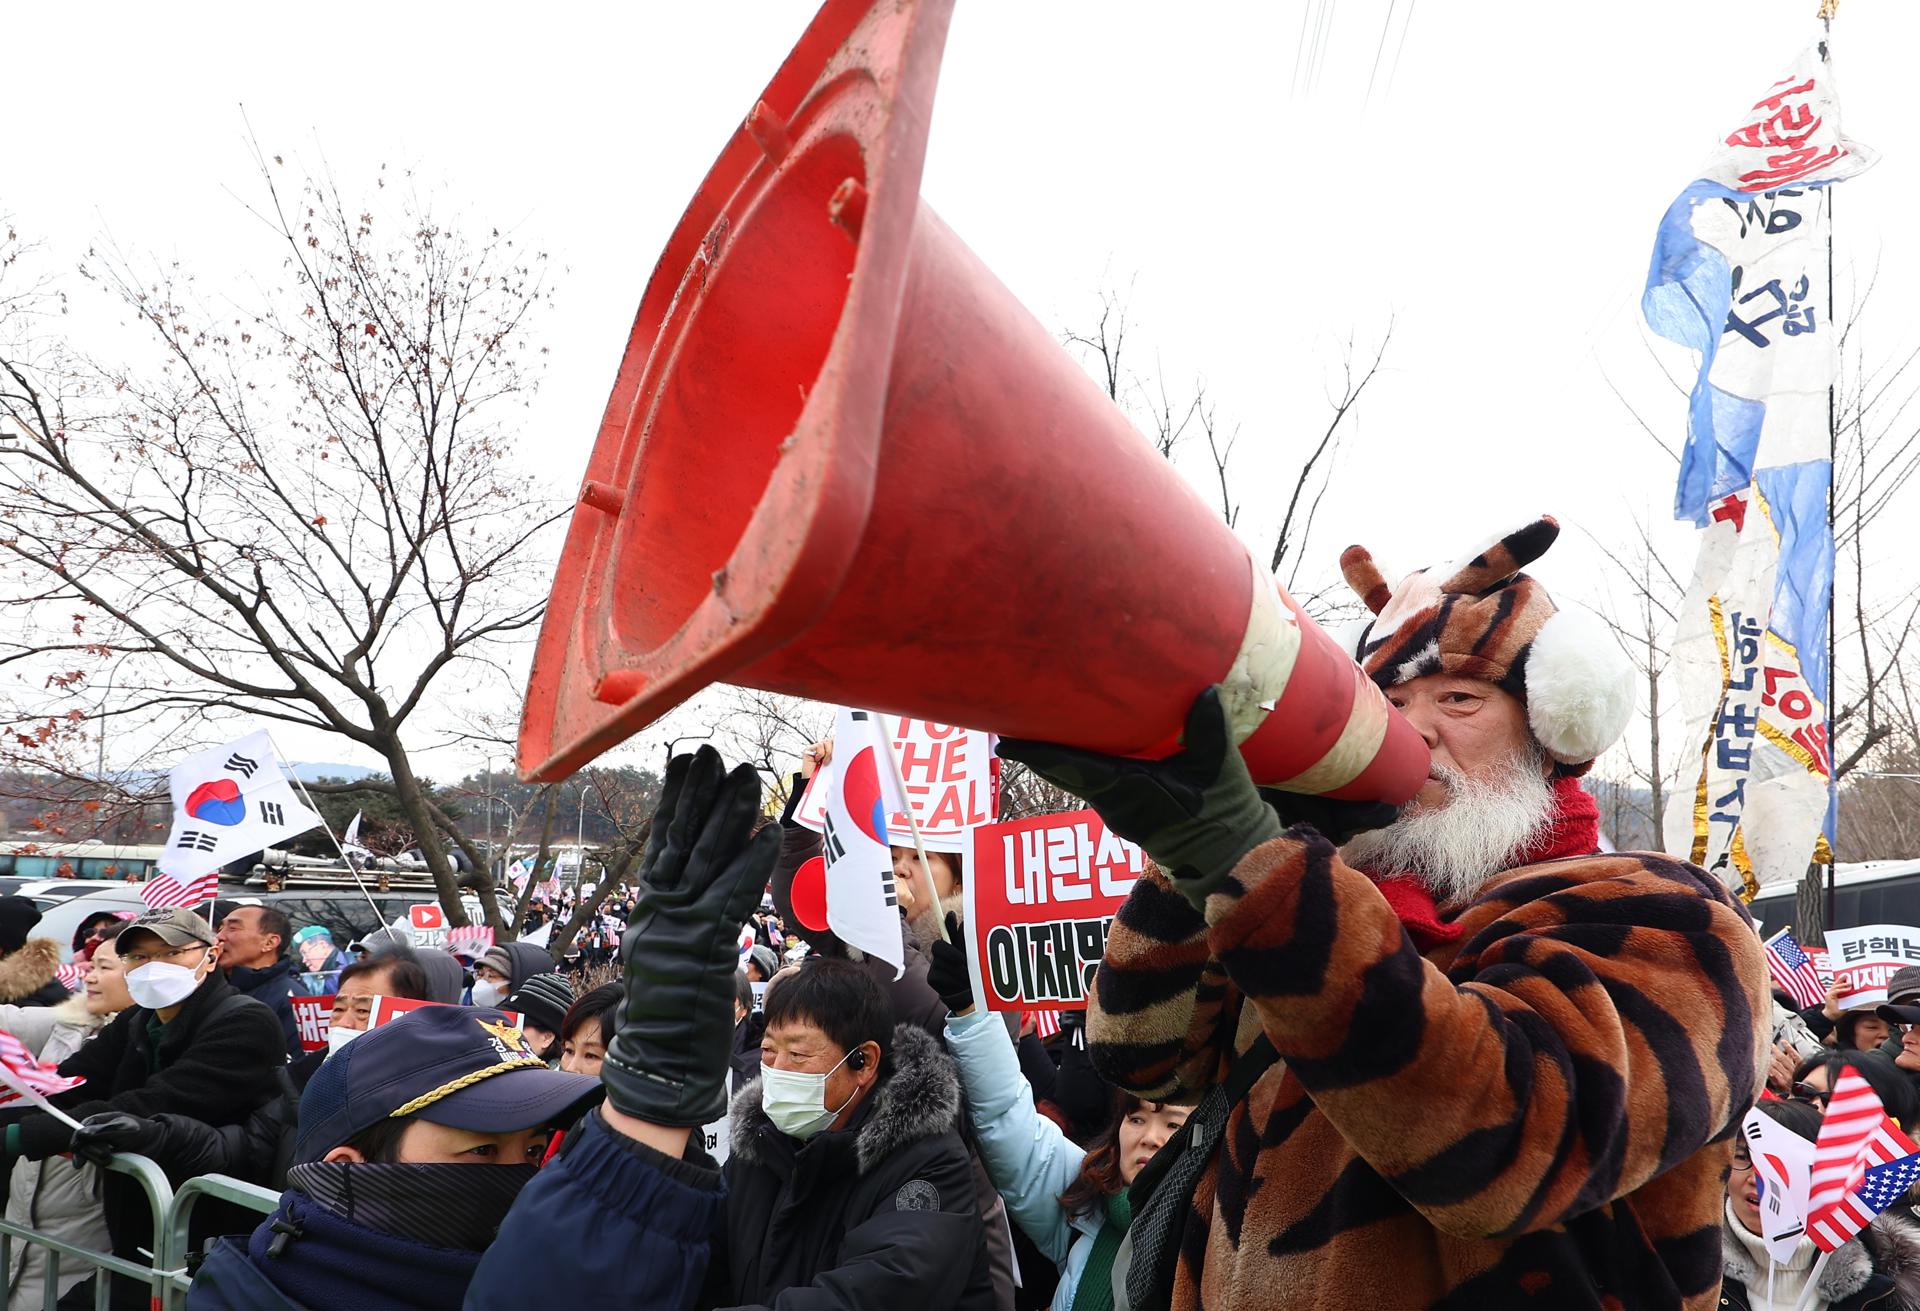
1196, 812
100, 1136
1336, 821
703, 872
947, 969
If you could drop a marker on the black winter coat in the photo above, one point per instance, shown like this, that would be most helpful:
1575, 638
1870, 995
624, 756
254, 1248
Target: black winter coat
217, 1060
876, 1217
745, 1058
272, 987
1878, 1271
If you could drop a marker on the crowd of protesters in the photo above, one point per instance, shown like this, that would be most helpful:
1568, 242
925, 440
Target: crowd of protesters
1337, 1053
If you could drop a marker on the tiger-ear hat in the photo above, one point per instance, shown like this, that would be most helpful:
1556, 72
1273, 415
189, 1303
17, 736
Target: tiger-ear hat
1481, 617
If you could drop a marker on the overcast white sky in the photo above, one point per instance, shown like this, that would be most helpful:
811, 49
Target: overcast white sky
1496, 194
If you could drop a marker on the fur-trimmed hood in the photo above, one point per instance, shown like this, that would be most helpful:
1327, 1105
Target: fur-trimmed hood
27, 971
74, 1011
920, 1099
1889, 1246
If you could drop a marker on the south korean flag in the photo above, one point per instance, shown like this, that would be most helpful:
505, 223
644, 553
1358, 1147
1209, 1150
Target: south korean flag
230, 802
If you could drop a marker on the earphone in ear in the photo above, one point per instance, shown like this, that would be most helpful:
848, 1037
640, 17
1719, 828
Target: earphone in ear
857, 1059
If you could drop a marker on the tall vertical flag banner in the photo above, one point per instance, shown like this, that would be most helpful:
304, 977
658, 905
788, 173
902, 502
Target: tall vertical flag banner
228, 803
1740, 275
862, 906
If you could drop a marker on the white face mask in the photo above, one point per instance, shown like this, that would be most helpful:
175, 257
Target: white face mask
338, 1038
797, 1102
488, 993
159, 984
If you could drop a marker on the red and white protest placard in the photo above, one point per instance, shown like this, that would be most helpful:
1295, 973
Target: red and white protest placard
1040, 895
1863, 959
386, 1010
950, 776
312, 1016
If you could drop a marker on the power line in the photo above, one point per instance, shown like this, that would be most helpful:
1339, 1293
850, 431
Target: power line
1385, 29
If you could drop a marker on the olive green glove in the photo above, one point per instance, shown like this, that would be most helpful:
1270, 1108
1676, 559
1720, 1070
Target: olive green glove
1196, 812
702, 874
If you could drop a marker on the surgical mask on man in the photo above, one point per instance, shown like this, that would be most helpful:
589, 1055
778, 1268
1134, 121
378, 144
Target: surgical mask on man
159, 984
489, 993
338, 1037
797, 1102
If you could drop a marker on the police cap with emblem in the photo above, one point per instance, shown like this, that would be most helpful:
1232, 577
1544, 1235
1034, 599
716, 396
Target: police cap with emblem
466, 1067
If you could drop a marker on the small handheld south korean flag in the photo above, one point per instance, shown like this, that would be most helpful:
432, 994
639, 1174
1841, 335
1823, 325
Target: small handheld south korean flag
230, 802
862, 904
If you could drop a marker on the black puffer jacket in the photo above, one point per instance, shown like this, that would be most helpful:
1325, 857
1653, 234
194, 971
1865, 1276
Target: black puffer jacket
1878, 1271
272, 987
875, 1217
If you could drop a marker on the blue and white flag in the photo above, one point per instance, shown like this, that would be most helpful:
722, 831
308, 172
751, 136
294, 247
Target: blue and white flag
1740, 275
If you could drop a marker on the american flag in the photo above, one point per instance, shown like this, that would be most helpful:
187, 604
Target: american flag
72, 976
1046, 1023
473, 940
1793, 970
164, 890
27, 1080
1862, 1163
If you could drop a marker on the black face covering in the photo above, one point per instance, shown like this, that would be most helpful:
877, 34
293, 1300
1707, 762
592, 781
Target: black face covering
442, 1205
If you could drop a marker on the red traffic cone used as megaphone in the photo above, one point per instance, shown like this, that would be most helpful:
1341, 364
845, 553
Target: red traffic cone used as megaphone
841, 461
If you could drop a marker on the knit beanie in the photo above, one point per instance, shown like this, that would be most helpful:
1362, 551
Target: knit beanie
496, 958
17, 918
1480, 617
544, 1000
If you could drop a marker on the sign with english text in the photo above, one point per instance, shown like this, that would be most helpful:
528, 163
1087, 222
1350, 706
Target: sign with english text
1041, 894
949, 775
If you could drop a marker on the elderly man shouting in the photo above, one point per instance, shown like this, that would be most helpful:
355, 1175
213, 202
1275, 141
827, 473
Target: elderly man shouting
1509, 1067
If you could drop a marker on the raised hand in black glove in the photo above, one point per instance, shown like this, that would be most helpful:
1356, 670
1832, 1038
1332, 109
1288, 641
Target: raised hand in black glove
947, 969
1196, 812
703, 872
100, 1136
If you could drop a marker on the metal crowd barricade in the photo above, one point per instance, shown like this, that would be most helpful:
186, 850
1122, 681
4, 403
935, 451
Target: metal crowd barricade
179, 1219
166, 1275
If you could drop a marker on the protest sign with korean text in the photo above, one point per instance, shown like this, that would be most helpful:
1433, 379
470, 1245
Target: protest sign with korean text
949, 777
1040, 895
312, 1017
1863, 959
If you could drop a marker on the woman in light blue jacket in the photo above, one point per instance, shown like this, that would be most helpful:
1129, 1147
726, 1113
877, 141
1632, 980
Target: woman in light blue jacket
1071, 1202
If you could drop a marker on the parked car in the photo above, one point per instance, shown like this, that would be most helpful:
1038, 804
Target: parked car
64, 903
347, 915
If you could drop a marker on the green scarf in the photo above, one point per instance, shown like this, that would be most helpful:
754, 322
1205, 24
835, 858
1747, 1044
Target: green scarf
1095, 1292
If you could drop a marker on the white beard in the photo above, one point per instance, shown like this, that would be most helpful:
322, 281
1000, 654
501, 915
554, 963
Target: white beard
1477, 832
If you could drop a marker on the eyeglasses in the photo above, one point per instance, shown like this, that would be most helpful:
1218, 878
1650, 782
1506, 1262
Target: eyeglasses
1806, 1092
1742, 1160
133, 960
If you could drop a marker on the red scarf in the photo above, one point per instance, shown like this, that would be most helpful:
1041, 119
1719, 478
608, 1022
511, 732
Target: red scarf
1573, 829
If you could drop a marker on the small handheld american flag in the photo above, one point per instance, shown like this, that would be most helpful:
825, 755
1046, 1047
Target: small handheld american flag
1862, 1163
1046, 1023
1793, 970
473, 940
27, 1081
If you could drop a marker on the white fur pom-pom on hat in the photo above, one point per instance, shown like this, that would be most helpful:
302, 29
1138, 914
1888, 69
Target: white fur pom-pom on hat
1579, 686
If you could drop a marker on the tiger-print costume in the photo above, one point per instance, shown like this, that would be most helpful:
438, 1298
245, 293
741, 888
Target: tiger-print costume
1537, 1113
